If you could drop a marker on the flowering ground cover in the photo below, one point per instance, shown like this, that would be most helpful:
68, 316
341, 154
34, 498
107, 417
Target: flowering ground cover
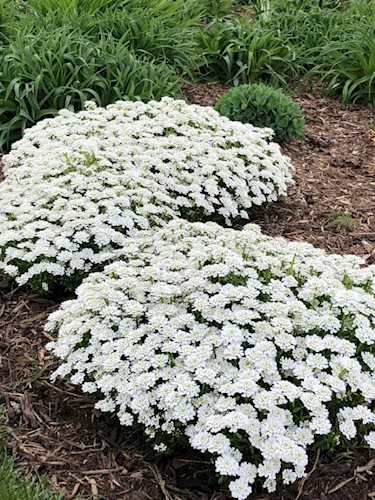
197, 361
62, 433
98, 175
252, 347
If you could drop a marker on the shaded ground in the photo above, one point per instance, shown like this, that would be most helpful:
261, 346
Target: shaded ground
55, 430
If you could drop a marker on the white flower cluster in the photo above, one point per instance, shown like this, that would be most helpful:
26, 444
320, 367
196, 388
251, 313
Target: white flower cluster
253, 347
77, 184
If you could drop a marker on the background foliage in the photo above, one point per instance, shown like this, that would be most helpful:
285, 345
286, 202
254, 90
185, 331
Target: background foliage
57, 53
42, 73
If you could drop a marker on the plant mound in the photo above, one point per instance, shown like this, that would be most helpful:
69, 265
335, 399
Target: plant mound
78, 183
263, 106
252, 347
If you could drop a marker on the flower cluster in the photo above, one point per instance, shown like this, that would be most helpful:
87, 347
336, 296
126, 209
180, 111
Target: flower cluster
77, 184
252, 347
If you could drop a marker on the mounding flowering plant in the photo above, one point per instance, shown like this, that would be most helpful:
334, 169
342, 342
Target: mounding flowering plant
57, 230
252, 347
77, 184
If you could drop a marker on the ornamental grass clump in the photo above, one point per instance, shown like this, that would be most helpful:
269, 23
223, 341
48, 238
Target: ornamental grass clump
49, 68
253, 348
78, 184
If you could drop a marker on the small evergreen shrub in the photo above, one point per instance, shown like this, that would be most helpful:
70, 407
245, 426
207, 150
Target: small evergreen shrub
252, 347
263, 106
78, 184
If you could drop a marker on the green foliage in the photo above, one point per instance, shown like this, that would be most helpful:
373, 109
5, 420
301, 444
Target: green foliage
306, 5
9, 13
57, 53
169, 36
217, 8
305, 32
234, 51
71, 7
263, 106
163, 30
334, 45
15, 487
63, 52
42, 73
330, 42
344, 220
157, 7
3, 15
364, 8
310, 31
349, 68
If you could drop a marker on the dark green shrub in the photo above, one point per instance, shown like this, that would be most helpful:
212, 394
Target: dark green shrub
263, 106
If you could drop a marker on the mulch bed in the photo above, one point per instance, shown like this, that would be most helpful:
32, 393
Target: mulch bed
335, 171
55, 430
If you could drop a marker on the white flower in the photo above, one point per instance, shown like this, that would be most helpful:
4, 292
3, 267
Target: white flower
240, 488
227, 466
160, 447
78, 184
187, 333
370, 439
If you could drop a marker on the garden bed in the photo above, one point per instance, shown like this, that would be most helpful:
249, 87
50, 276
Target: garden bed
335, 174
55, 429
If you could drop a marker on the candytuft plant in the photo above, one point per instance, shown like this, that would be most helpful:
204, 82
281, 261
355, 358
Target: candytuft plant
78, 184
253, 347
263, 106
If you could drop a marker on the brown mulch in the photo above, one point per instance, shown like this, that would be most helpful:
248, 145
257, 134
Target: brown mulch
205, 94
55, 430
335, 172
